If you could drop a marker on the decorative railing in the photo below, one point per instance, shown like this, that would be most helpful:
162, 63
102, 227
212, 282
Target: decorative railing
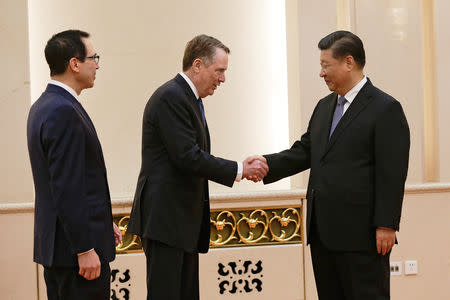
237, 228
237, 220
257, 226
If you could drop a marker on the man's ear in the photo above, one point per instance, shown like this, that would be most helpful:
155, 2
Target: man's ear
196, 65
74, 65
350, 62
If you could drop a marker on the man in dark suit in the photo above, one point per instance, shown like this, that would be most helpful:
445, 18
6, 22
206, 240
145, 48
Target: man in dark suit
73, 227
171, 206
358, 170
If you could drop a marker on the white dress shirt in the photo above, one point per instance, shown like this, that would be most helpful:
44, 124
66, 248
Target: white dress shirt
66, 87
351, 95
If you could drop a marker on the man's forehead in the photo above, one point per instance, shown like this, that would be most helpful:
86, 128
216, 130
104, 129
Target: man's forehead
326, 55
88, 45
86, 42
220, 59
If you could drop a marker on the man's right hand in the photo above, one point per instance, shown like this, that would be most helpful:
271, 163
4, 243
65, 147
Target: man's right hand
89, 264
255, 168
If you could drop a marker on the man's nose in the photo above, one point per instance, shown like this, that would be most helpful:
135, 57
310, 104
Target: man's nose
321, 73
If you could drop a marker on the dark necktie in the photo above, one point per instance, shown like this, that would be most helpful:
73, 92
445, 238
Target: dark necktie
202, 110
338, 112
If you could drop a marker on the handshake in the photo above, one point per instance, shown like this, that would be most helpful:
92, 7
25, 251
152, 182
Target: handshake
255, 168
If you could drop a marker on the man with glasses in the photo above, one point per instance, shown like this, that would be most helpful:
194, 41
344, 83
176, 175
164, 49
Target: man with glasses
74, 234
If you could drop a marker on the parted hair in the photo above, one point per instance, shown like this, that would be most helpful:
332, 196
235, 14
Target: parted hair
343, 43
62, 46
203, 47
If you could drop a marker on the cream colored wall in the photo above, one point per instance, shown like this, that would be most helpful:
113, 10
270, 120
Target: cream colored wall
272, 87
427, 240
273, 74
18, 276
15, 177
423, 237
316, 19
442, 38
390, 31
141, 46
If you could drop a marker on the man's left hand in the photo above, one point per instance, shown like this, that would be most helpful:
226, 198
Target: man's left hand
117, 234
385, 239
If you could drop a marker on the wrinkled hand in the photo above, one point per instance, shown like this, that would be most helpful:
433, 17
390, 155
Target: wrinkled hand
385, 239
89, 264
255, 168
117, 234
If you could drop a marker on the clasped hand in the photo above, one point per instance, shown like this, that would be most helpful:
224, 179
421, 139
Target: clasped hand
89, 262
255, 168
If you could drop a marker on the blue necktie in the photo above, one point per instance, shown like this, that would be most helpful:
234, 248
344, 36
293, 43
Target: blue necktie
202, 110
338, 112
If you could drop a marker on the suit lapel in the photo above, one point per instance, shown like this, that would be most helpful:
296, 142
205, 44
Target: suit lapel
358, 104
91, 127
194, 103
326, 122
208, 140
81, 112
76, 105
85, 117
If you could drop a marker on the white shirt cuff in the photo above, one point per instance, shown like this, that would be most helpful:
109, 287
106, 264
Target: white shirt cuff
81, 253
239, 171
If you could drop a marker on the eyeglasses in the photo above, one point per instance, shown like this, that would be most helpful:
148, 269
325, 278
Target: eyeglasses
95, 57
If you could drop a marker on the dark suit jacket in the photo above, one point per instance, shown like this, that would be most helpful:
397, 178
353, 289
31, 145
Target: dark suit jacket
171, 203
357, 176
72, 207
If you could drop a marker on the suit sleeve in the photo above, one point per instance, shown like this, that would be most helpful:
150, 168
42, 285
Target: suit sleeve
291, 161
179, 137
63, 137
392, 141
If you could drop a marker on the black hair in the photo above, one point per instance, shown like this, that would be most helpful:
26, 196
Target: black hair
62, 47
343, 43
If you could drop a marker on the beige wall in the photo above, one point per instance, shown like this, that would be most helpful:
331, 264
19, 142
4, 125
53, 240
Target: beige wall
314, 23
272, 87
18, 276
442, 38
423, 237
15, 177
272, 84
390, 31
141, 46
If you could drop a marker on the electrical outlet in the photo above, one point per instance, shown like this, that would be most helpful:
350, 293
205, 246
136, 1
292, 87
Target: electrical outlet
396, 268
411, 267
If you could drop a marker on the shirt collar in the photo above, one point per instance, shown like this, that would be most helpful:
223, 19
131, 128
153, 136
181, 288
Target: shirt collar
66, 87
351, 95
191, 84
